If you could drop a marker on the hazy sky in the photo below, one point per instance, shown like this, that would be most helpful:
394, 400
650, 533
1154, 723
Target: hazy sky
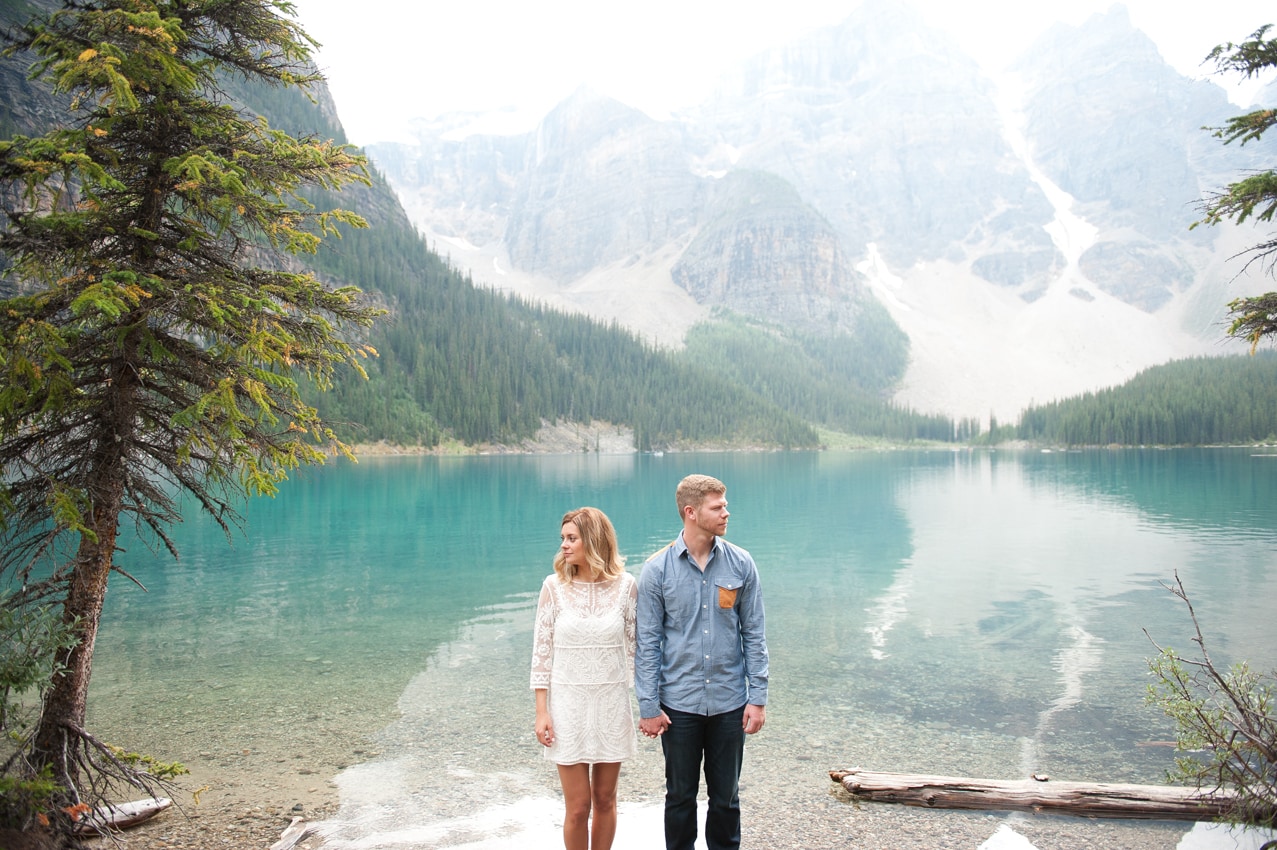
387, 60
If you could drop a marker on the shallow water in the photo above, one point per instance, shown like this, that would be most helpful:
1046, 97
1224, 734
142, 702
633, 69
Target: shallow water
975, 614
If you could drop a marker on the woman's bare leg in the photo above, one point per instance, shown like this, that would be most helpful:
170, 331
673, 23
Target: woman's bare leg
603, 794
575, 779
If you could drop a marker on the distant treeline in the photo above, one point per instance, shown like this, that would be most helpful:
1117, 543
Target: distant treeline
840, 382
1199, 401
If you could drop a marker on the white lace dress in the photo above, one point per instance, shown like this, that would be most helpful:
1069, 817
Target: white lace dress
583, 654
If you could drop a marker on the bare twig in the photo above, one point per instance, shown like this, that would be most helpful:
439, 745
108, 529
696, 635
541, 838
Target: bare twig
1228, 713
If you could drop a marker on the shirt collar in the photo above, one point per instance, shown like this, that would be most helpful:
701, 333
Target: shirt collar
680, 546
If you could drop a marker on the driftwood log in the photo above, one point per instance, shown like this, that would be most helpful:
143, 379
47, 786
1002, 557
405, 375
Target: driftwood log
117, 816
1045, 796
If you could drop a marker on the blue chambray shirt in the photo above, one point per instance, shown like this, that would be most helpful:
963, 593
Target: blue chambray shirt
701, 643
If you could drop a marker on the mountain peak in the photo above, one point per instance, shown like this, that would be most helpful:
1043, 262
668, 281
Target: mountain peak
878, 40
584, 118
1101, 41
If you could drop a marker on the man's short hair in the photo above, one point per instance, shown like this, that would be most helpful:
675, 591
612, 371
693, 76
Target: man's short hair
694, 489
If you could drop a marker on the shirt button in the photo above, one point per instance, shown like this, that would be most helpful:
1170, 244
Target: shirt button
704, 606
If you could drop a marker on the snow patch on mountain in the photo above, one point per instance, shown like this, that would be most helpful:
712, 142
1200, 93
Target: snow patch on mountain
978, 351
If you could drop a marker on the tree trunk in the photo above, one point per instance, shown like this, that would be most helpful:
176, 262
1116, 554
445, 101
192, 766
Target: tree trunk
62, 716
1088, 799
67, 698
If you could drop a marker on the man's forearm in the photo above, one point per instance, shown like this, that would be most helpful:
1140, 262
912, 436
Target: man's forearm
647, 687
647, 651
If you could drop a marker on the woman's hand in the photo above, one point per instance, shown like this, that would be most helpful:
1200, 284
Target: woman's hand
544, 729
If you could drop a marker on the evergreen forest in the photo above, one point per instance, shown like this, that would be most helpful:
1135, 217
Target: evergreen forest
837, 382
1198, 401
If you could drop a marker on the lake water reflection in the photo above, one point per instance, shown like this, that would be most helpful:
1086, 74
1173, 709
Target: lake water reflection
967, 613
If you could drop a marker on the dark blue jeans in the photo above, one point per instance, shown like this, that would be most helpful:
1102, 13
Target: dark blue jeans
719, 741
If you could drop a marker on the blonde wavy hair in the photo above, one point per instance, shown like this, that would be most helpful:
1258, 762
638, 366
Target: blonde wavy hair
598, 537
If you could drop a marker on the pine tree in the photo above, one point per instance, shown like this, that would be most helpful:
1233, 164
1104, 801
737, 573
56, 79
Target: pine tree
1255, 317
158, 329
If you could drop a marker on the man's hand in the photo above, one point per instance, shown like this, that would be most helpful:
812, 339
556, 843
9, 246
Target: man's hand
755, 717
654, 727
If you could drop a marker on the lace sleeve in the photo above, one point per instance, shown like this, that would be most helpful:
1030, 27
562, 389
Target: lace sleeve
543, 638
631, 628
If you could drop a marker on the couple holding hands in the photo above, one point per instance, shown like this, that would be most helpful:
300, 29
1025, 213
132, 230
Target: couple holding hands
691, 630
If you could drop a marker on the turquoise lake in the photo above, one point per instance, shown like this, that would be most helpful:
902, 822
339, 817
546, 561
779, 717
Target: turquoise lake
954, 612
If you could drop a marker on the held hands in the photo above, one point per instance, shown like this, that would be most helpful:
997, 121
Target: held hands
654, 727
755, 717
544, 729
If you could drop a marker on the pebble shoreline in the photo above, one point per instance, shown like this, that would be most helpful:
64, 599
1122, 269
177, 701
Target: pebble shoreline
773, 818
249, 799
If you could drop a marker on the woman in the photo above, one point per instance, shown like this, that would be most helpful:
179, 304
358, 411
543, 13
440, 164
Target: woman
582, 667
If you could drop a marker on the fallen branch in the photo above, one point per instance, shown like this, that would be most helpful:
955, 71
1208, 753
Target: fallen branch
1087, 799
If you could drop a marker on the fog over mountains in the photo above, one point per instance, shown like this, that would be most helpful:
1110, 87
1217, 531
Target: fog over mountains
1030, 234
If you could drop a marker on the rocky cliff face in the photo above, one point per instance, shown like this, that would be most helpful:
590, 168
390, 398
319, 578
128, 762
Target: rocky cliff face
600, 183
1032, 236
464, 188
765, 253
25, 109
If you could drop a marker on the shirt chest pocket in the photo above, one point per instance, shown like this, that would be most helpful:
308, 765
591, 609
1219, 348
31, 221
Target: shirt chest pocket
728, 591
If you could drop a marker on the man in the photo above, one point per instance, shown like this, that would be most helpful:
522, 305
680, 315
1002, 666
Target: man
701, 664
